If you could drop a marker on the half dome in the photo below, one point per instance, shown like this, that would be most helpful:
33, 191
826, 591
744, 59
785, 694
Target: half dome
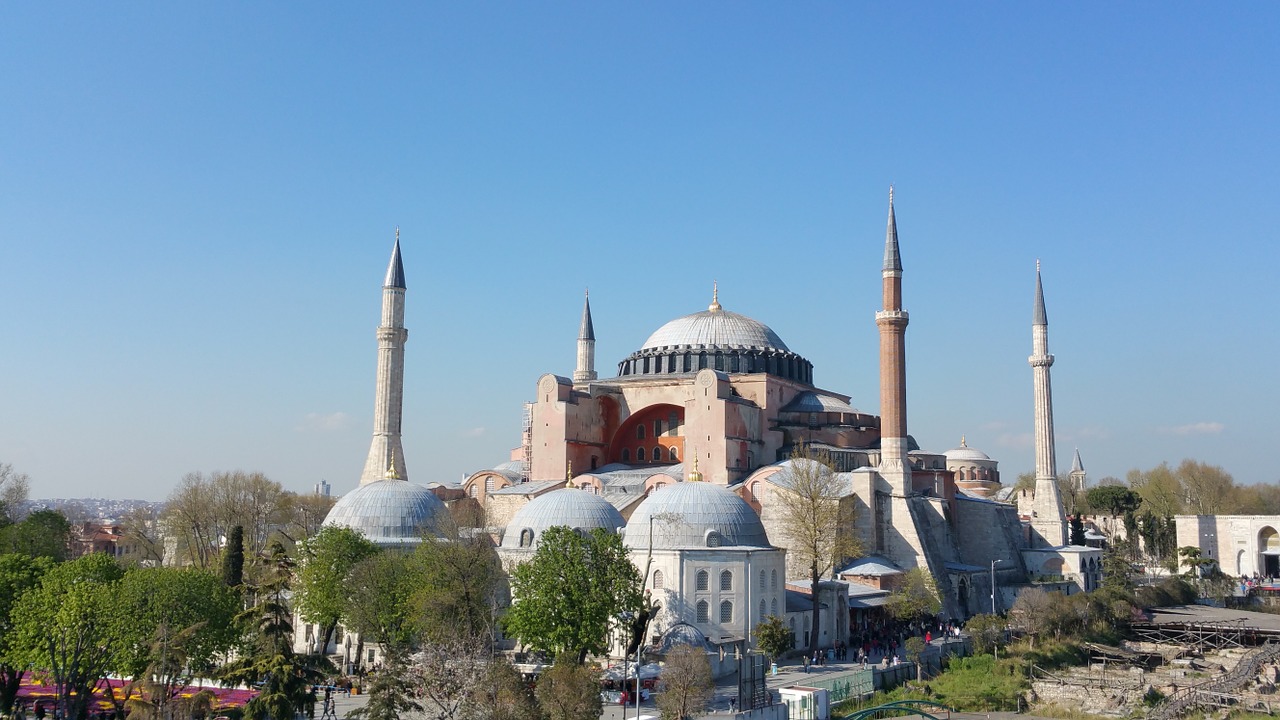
389, 512
694, 515
566, 507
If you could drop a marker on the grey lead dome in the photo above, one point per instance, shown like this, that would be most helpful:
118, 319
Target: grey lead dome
715, 328
694, 515
566, 507
389, 512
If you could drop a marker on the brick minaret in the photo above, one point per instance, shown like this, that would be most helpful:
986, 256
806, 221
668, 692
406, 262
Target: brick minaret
586, 369
385, 453
1048, 521
892, 321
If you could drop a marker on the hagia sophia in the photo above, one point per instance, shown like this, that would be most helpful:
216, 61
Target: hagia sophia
687, 452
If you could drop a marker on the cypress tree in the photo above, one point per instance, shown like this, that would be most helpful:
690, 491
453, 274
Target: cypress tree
233, 558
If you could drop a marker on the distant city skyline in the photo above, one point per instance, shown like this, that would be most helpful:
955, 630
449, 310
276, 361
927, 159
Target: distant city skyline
199, 204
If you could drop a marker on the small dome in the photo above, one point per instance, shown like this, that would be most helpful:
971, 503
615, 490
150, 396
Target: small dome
964, 452
694, 515
388, 512
715, 328
566, 507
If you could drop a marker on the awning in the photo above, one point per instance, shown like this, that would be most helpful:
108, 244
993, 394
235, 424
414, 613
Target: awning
868, 602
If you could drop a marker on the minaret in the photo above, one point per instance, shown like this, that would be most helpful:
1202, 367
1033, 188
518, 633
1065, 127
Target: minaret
386, 456
1077, 473
1048, 520
586, 370
892, 321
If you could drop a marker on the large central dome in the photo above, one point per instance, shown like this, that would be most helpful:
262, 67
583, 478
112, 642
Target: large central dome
720, 340
715, 328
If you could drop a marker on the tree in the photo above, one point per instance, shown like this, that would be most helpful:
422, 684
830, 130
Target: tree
773, 637
501, 695
66, 627
1113, 499
1032, 611
818, 525
447, 673
286, 678
568, 594
327, 560
686, 685
202, 510
1159, 488
915, 597
304, 514
379, 592
142, 535
1077, 530
462, 580
13, 492
986, 632
1208, 489
43, 533
18, 575
233, 558
569, 690
390, 694
915, 647
1117, 572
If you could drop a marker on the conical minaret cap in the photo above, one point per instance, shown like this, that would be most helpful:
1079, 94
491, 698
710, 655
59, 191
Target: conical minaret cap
892, 260
1076, 465
1039, 315
395, 269
587, 331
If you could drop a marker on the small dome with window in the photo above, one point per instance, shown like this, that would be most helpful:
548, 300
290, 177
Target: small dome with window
567, 507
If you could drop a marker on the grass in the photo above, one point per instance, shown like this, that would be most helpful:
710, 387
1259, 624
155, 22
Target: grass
972, 684
1054, 710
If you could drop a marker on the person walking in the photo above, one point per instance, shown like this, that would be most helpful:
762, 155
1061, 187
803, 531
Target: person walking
806, 664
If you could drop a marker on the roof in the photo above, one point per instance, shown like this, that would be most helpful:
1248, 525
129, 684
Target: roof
567, 507
809, 401
964, 452
871, 566
798, 601
961, 567
695, 515
892, 260
586, 331
715, 328
529, 488
1039, 317
388, 512
395, 269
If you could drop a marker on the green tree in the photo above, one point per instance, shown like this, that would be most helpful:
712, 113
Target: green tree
568, 594
461, 583
915, 597
1208, 489
1117, 572
986, 632
327, 559
569, 690
286, 678
43, 533
773, 637
914, 648
18, 575
686, 686
501, 694
1115, 500
817, 521
1077, 530
233, 558
1159, 488
67, 627
378, 602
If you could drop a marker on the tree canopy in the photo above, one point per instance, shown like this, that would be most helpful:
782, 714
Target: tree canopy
327, 560
568, 596
18, 575
916, 596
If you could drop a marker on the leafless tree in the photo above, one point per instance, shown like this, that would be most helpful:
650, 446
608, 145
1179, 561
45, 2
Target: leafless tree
686, 686
13, 492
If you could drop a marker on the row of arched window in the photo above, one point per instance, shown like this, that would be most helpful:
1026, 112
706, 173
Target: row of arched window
702, 580
672, 454
704, 611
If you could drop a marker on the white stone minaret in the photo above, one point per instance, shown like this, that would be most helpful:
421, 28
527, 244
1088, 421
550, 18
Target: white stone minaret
385, 453
892, 321
1048, 521
586, 369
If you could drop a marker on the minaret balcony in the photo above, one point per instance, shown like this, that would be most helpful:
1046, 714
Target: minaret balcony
892, 317
1040, 360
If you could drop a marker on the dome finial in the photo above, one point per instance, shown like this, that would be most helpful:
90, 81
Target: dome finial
568, 475
391, 467
694, 475
962, 442
715, 297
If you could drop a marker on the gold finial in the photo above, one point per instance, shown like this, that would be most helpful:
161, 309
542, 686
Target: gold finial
391, 467
694, 475
962, 443
715, 297
568, 475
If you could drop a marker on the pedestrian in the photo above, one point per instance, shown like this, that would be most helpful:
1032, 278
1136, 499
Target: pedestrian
806, 664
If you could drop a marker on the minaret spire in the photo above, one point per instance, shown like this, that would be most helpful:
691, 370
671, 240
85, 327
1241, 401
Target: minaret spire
892, 321
386, 456
1048, 521
586, 368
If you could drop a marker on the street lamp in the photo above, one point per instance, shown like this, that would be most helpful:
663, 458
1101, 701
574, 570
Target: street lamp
993, 585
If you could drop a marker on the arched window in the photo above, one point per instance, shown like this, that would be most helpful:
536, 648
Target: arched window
726, 580
472, 491
488, 484
672, 455
626, 455
762, 585
726, 612
640, 431
526, 537
639, 454
657, 579
701, 581
657, 454
760, 617
704, 612
773, 579
773, 606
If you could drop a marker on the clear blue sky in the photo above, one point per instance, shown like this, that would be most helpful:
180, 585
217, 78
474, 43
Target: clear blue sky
198, 200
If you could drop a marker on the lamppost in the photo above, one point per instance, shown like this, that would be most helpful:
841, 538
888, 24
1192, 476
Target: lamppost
993, 585
624, 622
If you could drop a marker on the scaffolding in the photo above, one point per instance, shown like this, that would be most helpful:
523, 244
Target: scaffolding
526, 441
